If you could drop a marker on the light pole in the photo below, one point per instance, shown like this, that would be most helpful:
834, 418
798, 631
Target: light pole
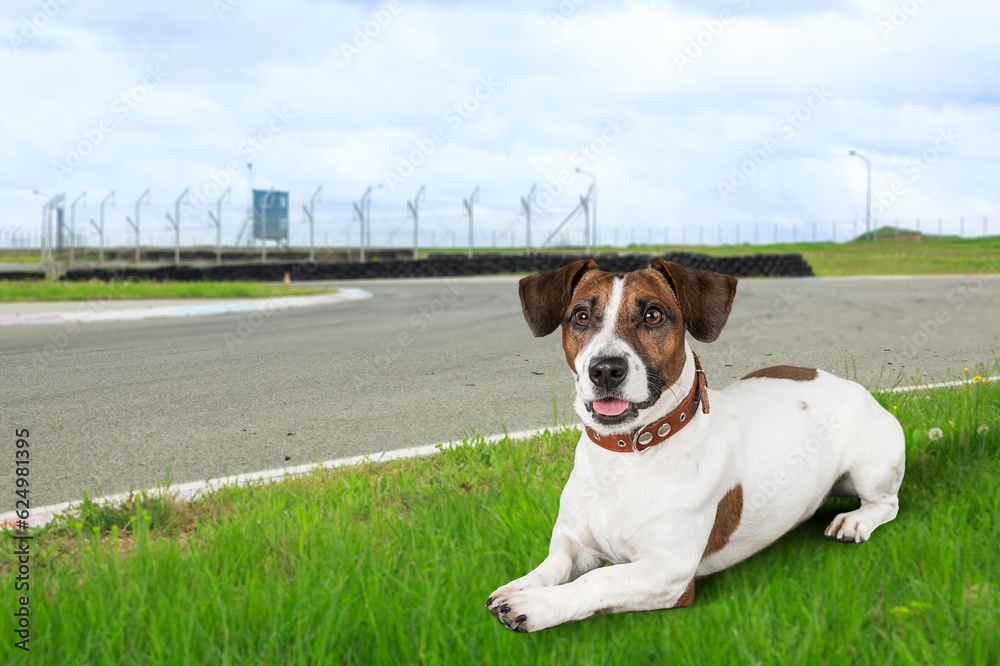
72, 223
135, 224
469, 204
585, 203
593, 205
45, 220
368, 214
414, 207
868, 195
217, 219
310, 214
250, 211
176, 222
104, 201
363, 210
526, 205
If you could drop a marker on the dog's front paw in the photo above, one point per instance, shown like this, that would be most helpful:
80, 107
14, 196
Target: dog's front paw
521, 610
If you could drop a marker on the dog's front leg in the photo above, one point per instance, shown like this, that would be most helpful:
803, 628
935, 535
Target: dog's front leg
637, 586
566, 561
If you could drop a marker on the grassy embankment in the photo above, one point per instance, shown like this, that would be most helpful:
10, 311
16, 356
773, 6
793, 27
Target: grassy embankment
44, 290
392, 563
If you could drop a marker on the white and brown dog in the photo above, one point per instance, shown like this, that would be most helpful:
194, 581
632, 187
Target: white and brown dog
668, 485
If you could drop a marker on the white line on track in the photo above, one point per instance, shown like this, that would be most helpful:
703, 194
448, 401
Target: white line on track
188, 491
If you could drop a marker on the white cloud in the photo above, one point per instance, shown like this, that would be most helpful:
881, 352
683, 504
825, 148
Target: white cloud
690, 123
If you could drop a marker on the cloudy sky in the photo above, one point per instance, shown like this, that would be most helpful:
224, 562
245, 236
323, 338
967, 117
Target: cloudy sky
690, 115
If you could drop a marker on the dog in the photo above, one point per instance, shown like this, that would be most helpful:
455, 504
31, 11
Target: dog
670, 482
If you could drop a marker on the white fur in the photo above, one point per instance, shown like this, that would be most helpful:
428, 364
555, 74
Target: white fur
651, 513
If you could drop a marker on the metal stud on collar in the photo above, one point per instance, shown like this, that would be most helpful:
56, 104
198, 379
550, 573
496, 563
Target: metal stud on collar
663, 430
621, 443
645, 438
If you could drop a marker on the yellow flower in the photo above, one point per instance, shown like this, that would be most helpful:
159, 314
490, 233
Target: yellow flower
965, 369
977, 378
895, 408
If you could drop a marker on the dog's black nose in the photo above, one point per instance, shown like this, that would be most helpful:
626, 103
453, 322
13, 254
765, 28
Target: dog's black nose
608, 373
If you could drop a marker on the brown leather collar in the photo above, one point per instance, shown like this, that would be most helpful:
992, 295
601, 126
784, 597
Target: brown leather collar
660, 431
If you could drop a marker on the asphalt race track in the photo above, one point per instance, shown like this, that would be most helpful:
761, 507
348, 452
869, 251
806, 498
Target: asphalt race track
127, 405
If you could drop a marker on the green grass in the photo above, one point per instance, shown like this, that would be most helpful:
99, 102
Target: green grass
392, 563
929, 255
18, 257
45, 290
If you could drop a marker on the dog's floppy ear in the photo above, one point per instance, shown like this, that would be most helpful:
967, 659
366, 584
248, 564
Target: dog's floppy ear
545, 296
705, 297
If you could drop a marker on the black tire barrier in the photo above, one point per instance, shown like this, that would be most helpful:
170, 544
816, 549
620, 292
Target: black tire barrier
21, 275
757, 265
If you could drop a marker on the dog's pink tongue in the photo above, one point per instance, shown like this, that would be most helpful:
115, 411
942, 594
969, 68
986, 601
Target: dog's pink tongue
610, 407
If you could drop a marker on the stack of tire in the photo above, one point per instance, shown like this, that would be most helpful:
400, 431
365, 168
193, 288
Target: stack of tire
758, 265
17, 276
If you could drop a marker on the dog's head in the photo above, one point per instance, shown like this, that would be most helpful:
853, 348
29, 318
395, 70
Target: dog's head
624, 333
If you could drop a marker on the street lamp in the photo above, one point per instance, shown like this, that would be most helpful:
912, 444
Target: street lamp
469, 204
868, 195
593, 205
45, 222
414, 207
72, 223
526, 205
363, 209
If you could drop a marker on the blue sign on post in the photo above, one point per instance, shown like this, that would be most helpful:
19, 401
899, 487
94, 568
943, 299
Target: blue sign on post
270, 215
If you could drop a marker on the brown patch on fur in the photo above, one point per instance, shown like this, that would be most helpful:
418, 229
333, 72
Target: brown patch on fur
594, 291
792, 372
687, 598
727, 519
661, 348
545, 296
705, 298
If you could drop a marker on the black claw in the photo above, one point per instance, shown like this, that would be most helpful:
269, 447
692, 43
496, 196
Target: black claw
504, 609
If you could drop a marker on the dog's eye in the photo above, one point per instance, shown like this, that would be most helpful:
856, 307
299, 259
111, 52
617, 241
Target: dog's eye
581, 318
653, 317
